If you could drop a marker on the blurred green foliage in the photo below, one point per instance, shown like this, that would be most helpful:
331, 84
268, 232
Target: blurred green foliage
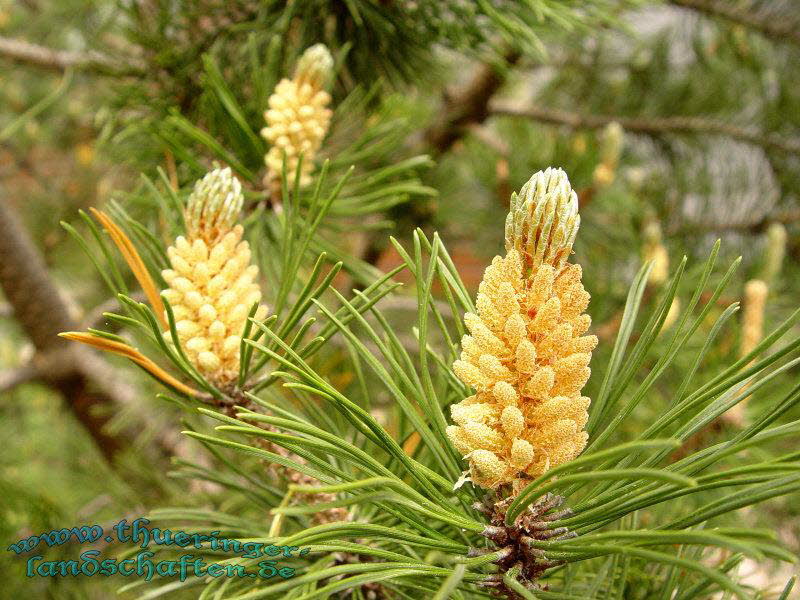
74, 138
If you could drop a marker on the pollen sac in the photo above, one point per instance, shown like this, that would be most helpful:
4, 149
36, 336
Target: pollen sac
513, 421
521, 454
298, 118
527, 356
488, 470
212, 284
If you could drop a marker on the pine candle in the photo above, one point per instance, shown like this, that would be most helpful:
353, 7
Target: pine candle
212, 285
526, 355
298, 117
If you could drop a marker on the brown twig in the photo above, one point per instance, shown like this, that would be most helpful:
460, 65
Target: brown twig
11, 378
462, 112
654, 126
470, 106
24, 52
114, 386
26, 283
786, 29
786, 217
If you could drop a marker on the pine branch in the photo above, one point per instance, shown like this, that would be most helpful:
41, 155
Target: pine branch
462, 112
34, 298
113, 385
11, 378
785, 29
785, 217
42, 314
27, 53
654, 126
470, 106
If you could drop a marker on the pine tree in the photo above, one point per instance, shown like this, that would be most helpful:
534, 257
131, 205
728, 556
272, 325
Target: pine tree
427, 431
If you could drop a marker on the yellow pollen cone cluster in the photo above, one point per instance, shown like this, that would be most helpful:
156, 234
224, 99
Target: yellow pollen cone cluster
526, 354
212, 285
298, 117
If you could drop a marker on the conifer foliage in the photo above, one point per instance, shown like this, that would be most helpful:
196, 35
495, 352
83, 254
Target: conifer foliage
294, 272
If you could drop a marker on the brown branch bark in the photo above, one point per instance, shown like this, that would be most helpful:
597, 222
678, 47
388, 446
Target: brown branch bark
785, 217
786, 29
28, 288
653, 126
43, 57
470, 106
11, 378
462, 112
42, 314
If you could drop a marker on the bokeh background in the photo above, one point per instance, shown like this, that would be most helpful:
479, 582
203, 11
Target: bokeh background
677, 122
